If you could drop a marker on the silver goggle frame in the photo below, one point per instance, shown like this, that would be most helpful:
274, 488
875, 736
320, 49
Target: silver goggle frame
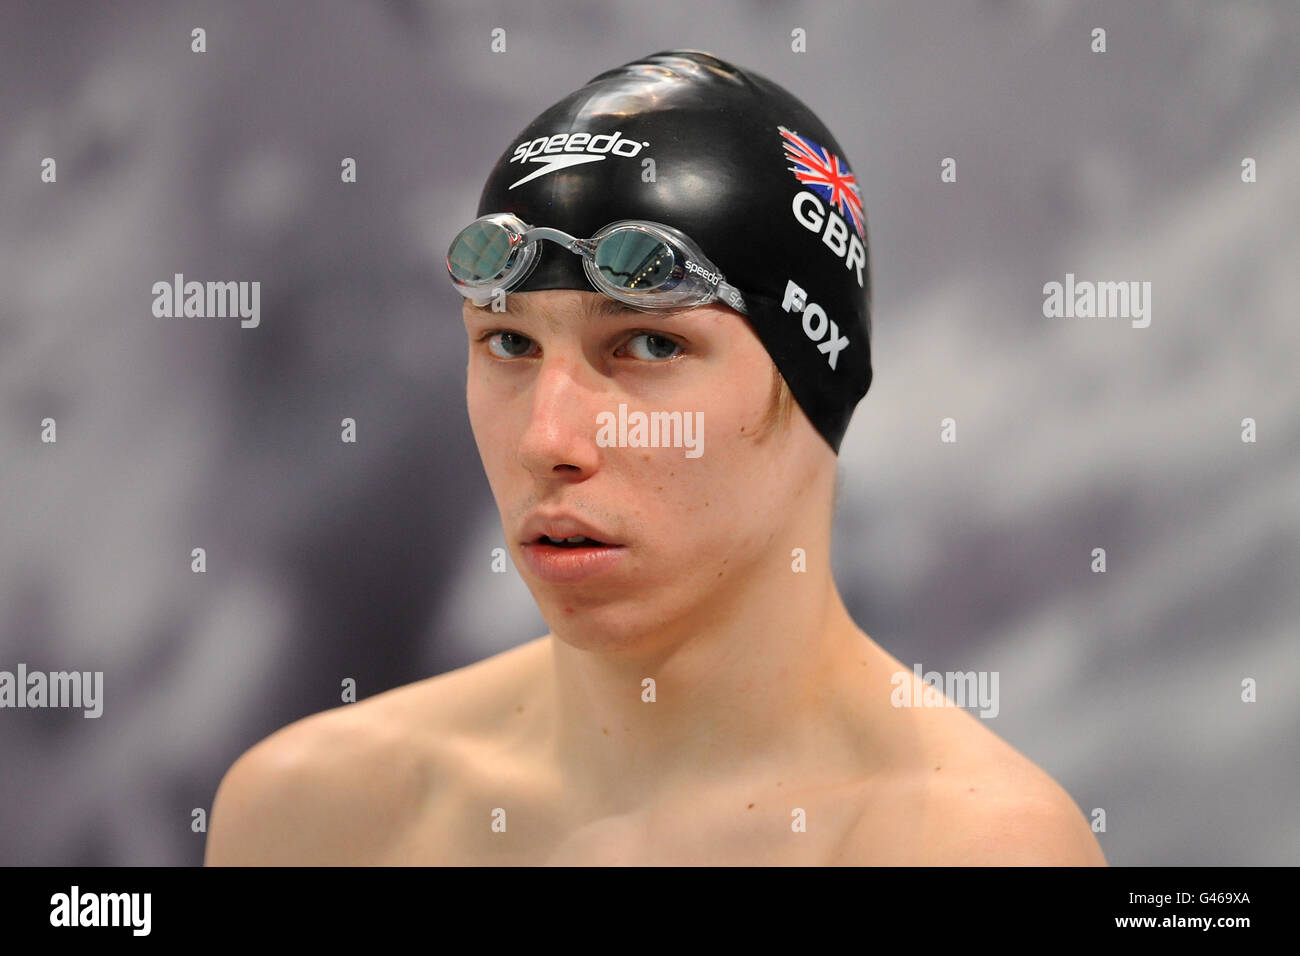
692, 279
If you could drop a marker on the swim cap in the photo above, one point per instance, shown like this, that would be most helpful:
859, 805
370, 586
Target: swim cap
741, 167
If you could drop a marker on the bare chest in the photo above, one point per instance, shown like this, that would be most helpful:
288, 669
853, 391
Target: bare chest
516, 828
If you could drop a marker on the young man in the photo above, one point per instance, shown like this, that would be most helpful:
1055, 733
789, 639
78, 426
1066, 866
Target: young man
667, 302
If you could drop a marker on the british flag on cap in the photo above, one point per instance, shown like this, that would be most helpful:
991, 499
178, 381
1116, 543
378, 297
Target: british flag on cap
826, 174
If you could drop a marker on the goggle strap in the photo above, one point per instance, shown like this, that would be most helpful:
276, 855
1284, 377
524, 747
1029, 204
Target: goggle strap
732, 296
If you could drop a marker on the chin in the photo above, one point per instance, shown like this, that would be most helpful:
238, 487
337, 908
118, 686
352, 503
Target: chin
604, 627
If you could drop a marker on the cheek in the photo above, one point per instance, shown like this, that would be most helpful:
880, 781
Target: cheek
712, 503
485, 421
472, 409
482, 401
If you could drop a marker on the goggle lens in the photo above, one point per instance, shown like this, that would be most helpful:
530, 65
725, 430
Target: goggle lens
481, 252
633, 260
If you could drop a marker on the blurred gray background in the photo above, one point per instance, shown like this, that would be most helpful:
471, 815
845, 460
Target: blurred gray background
328, 560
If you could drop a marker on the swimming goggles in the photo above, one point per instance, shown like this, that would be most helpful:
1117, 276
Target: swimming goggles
647, 265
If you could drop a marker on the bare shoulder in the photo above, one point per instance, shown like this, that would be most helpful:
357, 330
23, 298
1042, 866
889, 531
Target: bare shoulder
317, 792
1012, 813
339, 787
974, 800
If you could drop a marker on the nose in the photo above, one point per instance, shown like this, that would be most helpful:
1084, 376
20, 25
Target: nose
559, 439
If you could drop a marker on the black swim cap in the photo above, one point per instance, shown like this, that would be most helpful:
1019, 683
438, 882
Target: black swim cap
741, 167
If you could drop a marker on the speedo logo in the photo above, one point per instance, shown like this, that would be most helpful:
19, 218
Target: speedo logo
703, 273
563, 150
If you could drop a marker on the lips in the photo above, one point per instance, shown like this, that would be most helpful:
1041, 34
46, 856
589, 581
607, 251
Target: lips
577, 541
564, 550
574, 566
560, 528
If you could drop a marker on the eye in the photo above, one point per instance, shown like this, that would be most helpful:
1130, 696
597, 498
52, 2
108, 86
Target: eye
509, 344
656, 347
645, 346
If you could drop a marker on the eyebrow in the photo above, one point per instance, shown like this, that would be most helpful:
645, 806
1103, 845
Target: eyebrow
612, 307
597, 309
600, 307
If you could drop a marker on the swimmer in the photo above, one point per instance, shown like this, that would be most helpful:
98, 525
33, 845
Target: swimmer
679, 235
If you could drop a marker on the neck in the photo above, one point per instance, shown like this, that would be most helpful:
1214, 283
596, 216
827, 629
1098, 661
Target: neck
758, 678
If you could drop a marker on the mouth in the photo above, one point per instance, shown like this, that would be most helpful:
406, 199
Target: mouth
574, 560
577, 541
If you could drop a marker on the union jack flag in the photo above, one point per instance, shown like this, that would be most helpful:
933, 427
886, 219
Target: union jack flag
825, 173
